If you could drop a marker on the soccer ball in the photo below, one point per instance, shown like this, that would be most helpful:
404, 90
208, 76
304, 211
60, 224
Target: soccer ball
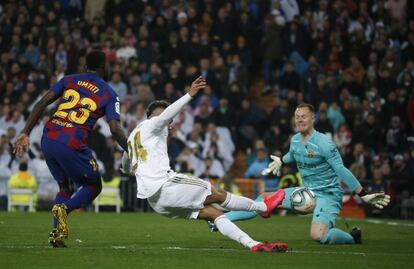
303, 201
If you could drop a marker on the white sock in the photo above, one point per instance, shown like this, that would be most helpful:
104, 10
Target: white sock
229, 229
240, 203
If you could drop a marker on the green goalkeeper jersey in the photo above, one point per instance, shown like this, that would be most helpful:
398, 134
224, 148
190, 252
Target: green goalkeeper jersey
319, 163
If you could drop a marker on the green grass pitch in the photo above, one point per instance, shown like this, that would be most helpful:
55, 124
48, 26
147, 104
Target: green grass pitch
146, 240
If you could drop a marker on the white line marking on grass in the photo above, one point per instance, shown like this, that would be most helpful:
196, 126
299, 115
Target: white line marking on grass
391, 223
176, 248
203, 249
119, 247
328, 252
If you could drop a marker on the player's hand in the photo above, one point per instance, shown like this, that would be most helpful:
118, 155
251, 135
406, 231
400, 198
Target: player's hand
275, 165
21, 145
126, 164
198, 84
377, 199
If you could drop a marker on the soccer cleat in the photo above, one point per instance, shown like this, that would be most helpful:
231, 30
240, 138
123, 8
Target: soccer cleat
56, 239
356, 233
270, 247
212, 226
60, 213
272, 202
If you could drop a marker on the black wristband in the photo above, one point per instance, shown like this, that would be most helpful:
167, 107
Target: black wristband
362, 193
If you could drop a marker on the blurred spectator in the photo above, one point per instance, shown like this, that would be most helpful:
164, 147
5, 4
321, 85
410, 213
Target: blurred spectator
118, 85
23, 179
212, 169
343, 138
256, 168
323, 124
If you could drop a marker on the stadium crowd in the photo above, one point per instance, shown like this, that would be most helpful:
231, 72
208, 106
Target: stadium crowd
353, 60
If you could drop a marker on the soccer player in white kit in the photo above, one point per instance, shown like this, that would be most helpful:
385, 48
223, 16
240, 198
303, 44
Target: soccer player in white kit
180, 196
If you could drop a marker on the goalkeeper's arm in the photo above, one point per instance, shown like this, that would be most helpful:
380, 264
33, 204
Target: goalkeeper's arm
377, 199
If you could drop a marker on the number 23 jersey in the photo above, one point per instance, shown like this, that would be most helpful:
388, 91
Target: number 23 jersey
84, 99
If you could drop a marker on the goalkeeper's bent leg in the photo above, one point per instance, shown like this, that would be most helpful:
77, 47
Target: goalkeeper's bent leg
337, 236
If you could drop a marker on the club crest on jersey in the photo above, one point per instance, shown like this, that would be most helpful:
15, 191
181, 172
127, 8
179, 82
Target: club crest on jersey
311, 154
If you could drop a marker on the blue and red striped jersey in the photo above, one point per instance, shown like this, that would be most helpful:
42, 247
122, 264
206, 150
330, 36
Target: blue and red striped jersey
84, 99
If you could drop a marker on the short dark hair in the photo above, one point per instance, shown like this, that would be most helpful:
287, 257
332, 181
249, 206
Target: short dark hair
23, 166
156, 104
309, 106
95, 59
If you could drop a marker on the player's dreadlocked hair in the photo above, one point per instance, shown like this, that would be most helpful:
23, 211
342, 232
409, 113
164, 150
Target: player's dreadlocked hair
309, 106
95, 59
156, 104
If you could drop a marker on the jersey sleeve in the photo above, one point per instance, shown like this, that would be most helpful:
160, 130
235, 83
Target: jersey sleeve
288, 157
112, 109
332, 156
170, 112
59, 87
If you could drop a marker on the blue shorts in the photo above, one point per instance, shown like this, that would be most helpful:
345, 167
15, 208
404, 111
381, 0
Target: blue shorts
328, 205
65, 163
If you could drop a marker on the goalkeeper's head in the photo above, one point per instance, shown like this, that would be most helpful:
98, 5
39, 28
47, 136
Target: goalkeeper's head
304, 118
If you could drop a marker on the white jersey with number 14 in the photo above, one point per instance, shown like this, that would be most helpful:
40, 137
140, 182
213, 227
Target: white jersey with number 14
147, 150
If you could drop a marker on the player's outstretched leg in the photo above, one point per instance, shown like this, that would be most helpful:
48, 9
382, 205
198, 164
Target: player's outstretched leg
229, 229
243, 215
236, 216
239, 203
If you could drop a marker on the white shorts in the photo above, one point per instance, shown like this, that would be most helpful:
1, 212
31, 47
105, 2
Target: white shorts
181, 197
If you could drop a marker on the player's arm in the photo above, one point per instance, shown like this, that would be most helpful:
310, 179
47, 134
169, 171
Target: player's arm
172, 110
21, 144
330, 152
118, 133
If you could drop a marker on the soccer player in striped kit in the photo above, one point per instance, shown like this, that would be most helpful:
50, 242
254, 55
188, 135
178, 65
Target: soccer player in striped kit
84, 98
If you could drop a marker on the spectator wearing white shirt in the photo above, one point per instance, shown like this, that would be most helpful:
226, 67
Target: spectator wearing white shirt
36, 136
4, 168
211, 169
47, 186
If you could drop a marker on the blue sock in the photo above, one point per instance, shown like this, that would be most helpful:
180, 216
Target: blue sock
83, 197
242, 215
337, 236
61, 197
286, 204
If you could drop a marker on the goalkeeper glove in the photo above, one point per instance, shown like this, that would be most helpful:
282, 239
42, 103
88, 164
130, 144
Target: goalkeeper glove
377, 199
276, 165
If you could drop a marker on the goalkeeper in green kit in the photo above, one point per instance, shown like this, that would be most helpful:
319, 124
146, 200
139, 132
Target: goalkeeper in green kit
321, 168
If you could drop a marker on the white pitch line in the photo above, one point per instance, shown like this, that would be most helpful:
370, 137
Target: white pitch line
375, 221
175, 248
